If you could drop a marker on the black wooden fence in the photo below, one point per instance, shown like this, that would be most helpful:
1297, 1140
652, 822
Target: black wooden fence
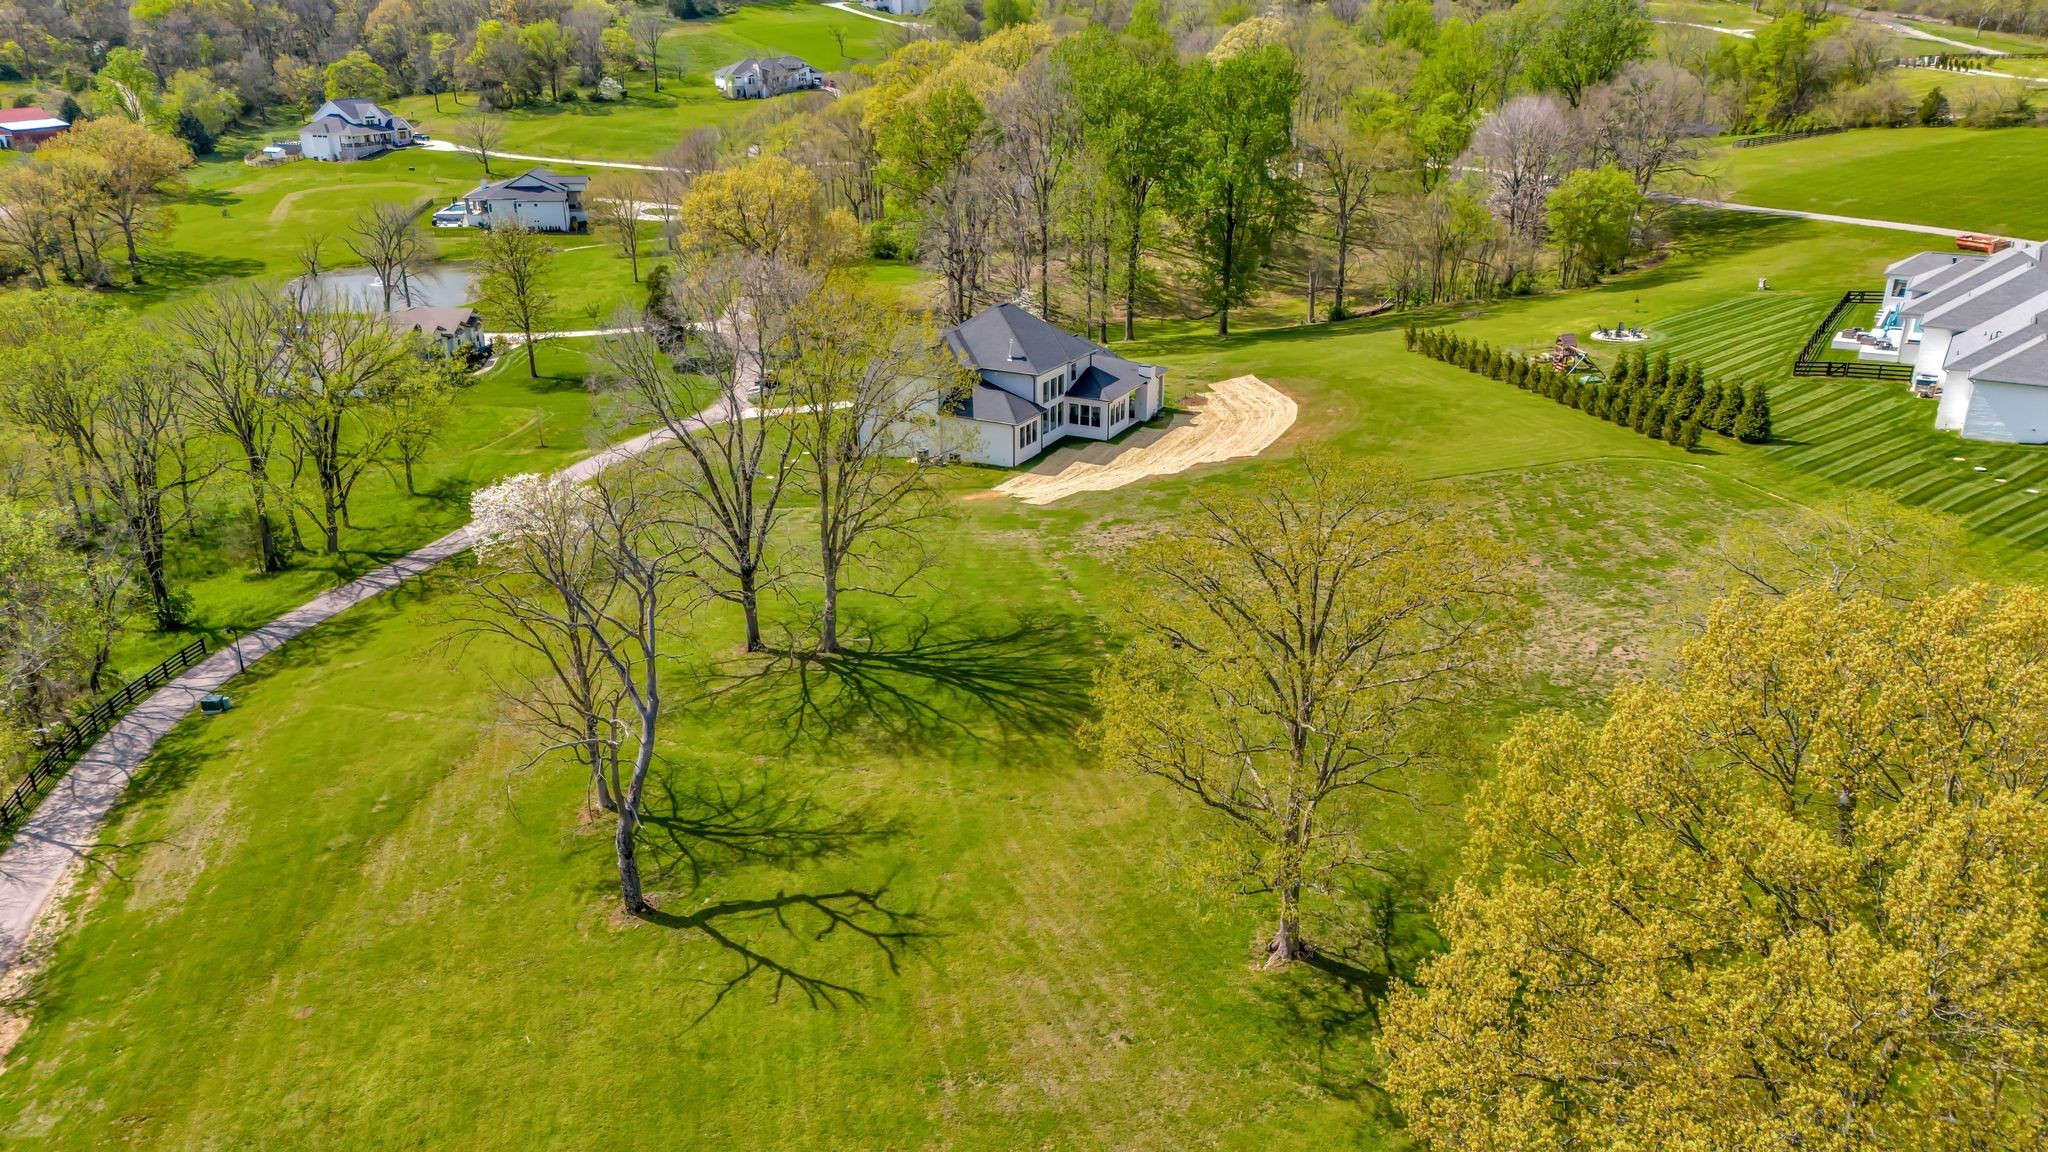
80, 731
1781, 137
1810, 363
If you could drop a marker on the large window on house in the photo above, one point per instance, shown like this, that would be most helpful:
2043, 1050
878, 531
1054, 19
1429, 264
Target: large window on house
1084, 415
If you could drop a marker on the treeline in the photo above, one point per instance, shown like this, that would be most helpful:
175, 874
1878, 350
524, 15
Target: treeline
192, 67
1671, 402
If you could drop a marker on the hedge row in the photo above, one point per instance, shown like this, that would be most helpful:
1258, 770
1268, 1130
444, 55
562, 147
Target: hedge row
1662, 400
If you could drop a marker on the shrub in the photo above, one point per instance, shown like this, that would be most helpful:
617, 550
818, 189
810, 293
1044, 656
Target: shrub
1753, 423
1689, 435
1933, 108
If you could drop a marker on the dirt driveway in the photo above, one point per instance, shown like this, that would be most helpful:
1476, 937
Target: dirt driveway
1236, 417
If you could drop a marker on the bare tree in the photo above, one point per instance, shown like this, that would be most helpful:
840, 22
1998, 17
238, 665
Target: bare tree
515, 262
232, 343
1341, 162
1525, 147
340, 373
646, 28
385, 236
609, 570
1042, 131
862, 383
617, 198
675, 170
705, 381
480, 132
1649, 121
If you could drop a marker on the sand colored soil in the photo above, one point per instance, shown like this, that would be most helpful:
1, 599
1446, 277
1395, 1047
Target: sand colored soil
1236, 417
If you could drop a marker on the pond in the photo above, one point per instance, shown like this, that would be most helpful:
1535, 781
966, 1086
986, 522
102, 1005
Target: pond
434, 286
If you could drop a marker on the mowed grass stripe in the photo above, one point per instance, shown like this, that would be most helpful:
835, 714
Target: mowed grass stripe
1869, 434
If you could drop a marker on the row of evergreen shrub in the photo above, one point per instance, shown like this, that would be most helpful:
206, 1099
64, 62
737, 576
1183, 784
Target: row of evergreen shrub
1662, 400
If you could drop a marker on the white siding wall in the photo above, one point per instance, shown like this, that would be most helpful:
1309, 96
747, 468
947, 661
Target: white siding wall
1953, 406
2013, 413
1933, 352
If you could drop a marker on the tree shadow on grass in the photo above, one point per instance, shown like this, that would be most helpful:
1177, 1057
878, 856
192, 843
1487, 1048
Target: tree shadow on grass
693, 828
1021, 683
166, 273
739, 927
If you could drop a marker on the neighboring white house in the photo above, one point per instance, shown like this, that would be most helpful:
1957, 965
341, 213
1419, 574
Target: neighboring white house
759, 77
1975, 330
542, 200
1038, 385
896, 7
456, 331
352, 130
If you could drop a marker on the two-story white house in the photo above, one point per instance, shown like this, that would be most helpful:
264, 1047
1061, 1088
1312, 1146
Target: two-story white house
352, 130
1975, 330
1036, 385
542, 200
759, 77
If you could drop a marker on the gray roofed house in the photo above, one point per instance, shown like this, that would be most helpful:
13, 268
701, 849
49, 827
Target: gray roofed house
352, 129
1039, 385
542, 200
759, 77
454, 330
1975, 330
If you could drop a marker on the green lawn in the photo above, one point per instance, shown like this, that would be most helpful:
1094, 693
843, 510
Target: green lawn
646, 122
1992, 181
345, 919
502, 424
1991, 40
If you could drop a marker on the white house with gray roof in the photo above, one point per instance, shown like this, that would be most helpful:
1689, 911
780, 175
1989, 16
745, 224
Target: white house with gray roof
759, 77
1975, 330
542, 200
1036, 385
352, 130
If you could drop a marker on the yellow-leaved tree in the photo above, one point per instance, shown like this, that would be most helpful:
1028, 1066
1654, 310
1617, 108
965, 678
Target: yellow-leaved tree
770, 207
1792, 898
1297, 651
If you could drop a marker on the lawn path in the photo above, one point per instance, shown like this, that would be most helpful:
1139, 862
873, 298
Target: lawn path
1857, 221
857, 10
451, 146
62, 833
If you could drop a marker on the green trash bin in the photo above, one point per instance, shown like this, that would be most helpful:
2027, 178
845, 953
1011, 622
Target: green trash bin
213, 704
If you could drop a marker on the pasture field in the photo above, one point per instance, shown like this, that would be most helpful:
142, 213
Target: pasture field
1989, 39
647, 122
348, 919
1992, 181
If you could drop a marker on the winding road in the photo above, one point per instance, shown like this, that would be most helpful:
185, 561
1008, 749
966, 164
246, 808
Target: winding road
1825, 217
59, 838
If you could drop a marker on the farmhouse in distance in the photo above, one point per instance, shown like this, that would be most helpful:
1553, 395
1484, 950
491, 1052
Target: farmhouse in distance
352, 130
759, 77
542, 200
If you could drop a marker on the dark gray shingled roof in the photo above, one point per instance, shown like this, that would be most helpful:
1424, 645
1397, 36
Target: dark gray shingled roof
1947, 286
1989, 300
995, 406
1921, 262
532, 184
1006, 338
1107, 377
2026, 364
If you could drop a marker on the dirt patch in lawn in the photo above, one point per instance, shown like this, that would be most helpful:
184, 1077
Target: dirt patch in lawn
1238, 417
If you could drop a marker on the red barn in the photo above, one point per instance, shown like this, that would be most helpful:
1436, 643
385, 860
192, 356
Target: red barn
24, 128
